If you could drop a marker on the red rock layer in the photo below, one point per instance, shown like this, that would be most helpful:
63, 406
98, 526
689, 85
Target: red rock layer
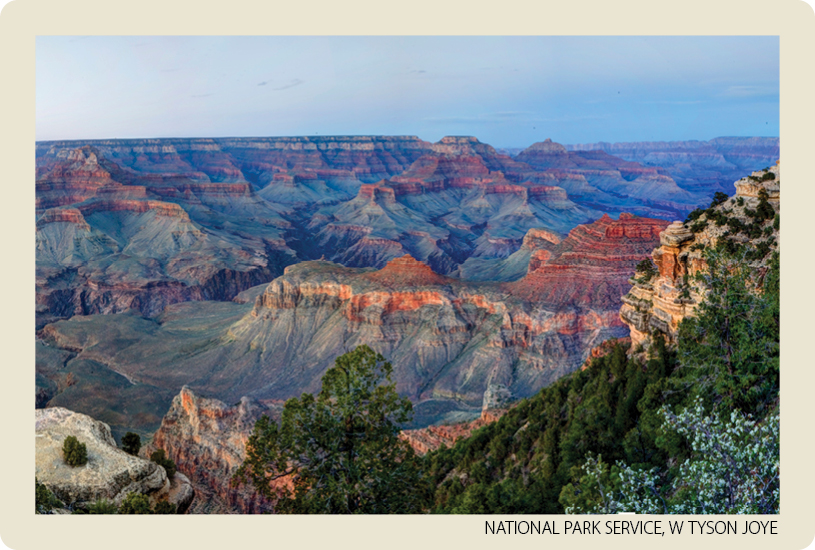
591, 267
63, 215
207, 441
406, 271
425, 440
167, 209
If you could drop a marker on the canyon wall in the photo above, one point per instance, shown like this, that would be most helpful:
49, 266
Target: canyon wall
659, 301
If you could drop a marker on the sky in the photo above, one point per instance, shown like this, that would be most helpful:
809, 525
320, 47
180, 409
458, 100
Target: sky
507, 91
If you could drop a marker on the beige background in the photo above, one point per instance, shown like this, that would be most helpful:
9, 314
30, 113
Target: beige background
22, 20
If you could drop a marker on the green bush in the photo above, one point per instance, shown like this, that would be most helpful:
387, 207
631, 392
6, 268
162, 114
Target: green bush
75, 453
135, 503
131, 443
103, 506
44, 499
160, 458
164, 507
718, 198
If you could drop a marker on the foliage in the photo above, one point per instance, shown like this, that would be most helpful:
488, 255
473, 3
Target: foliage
74, 452
600, 441
598, 489
164, 507
719, 198
521, 463
160, 458
764, 211
694, 215
135, 503
734, 468
131, 443
102, 506
44, 499
341, 451
648, 270
730, 348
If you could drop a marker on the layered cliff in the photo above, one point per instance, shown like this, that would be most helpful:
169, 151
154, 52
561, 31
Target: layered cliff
660, 299
701, 166
449, 340
104, 246
207, 441
279, 200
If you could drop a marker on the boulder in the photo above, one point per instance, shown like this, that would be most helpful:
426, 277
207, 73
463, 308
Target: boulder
109, 474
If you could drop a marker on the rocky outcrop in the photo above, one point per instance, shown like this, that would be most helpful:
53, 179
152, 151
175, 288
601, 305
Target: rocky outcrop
110, 474
497, 400
591, 265
207, 441
660, 301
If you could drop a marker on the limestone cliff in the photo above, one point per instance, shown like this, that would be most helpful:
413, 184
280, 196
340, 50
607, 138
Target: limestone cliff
659, 301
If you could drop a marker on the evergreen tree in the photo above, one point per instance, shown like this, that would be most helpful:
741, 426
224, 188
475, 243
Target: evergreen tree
75, 453
730, 347
135, 503
160, 458
102, 506
131, 443
339, 452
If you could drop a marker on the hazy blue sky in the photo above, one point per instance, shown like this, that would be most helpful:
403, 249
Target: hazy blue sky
507, 91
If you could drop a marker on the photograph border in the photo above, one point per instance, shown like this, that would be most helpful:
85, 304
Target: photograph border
22, 20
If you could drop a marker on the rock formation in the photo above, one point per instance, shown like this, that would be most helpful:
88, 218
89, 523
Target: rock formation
110, 474
591, 265
207, 441
660, 301
449, 340
146, 223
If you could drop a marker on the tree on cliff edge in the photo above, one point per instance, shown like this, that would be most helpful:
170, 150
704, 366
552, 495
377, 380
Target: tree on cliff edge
338, 453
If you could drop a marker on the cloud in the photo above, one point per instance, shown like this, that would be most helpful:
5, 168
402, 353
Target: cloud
291, 84
202, 95
418, 71
749, 91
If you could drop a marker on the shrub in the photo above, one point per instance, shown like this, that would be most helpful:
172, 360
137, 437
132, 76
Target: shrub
103, 506
135, 503
160, 458
164, 507
765, 211
694, 215
648, 270
697, 226
44, 499
718, 198
131, 443
75, 453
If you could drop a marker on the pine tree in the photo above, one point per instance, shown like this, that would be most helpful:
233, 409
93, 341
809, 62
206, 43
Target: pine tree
341, 451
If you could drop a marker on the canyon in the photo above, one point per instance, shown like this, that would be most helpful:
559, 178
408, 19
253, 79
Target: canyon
184, 274
142, 224
697, 165
448, 339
